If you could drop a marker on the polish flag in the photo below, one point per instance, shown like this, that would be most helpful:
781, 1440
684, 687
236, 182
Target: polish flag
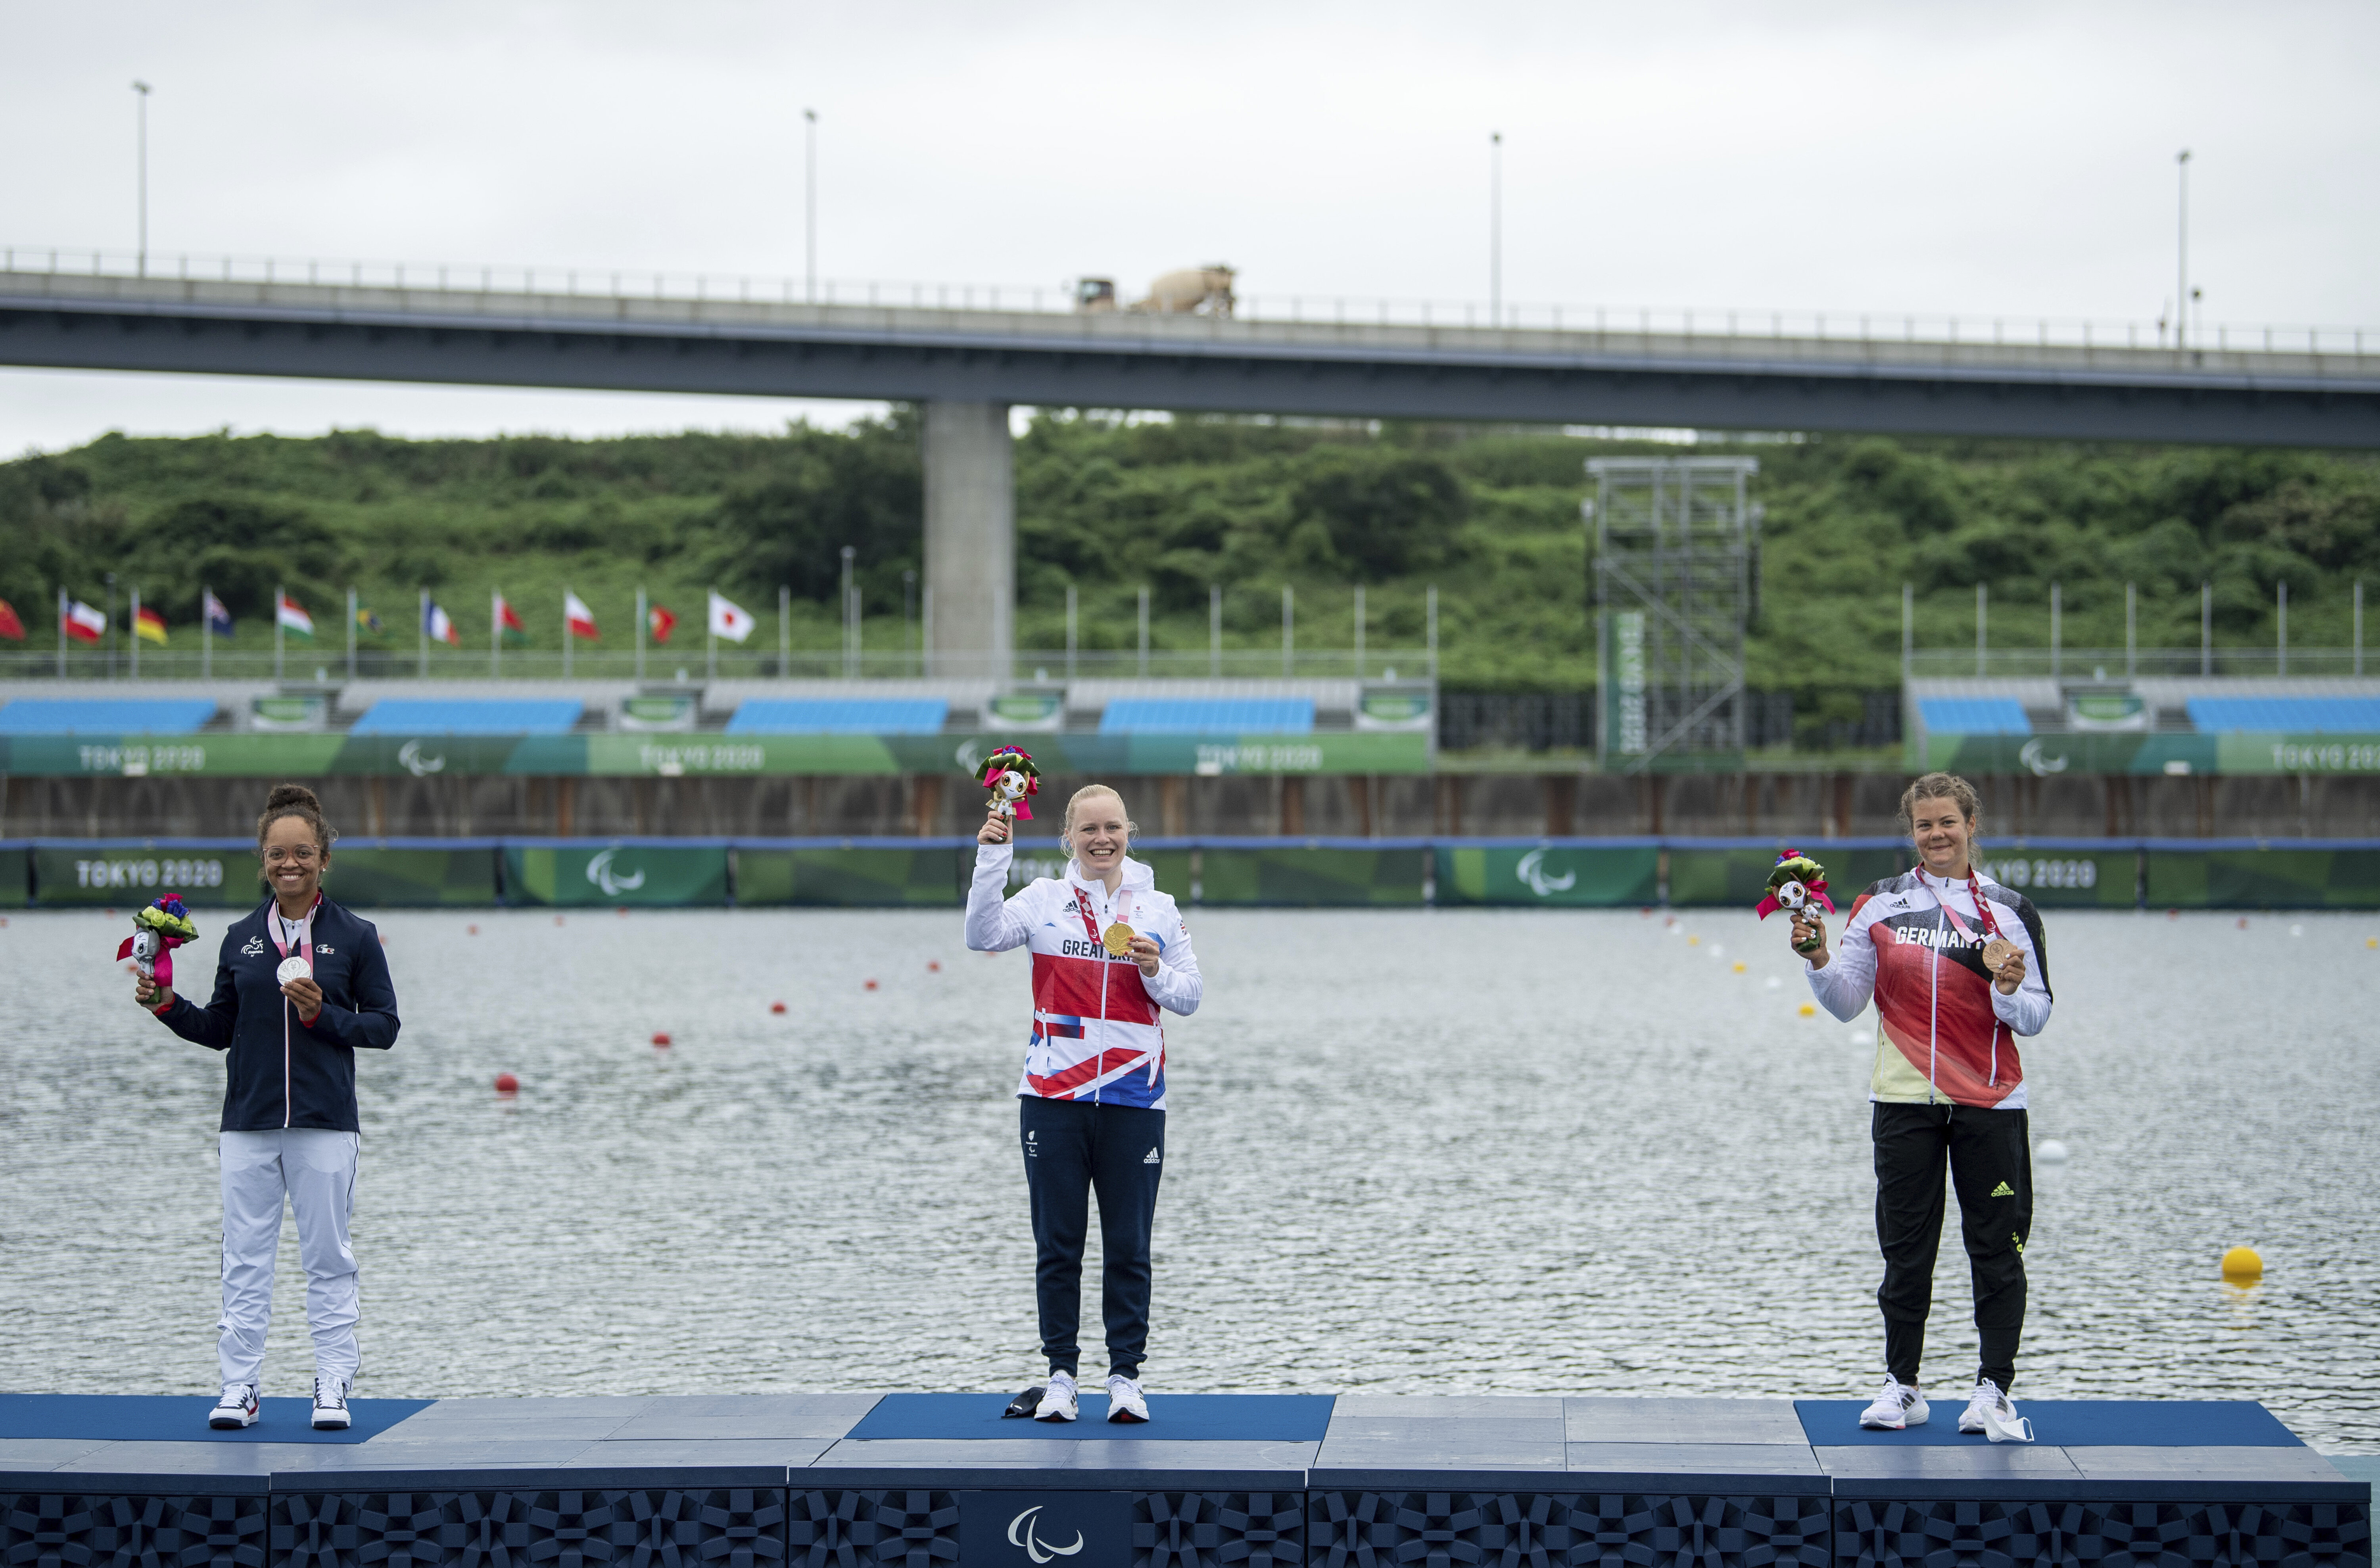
292, 614
581, 619
659, 622
83, 623
730, 620
440, 625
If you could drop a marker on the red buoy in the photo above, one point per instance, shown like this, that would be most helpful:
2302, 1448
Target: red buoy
2243, 922
624, 911
871, 985
470, 930
507, 1084
933, 966
776, 1007
2173, 914
661, 1037
557, 919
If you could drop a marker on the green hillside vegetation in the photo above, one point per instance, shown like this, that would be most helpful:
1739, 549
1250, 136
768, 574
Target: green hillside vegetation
1106, 504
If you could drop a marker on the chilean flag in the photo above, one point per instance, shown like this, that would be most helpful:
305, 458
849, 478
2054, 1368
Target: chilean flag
84, 624
440, 625
581, 618
728, 619
660, 622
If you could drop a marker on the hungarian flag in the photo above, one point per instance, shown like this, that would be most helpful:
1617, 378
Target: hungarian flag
729, 620
84, 624
217, 617
440, 625
581, 618
659, 622
150, 625
508, 621
290, 616
10, 627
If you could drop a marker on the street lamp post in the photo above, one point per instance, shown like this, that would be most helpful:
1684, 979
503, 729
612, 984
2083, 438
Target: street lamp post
810, 205
1496, 229
2181, 253
142, 89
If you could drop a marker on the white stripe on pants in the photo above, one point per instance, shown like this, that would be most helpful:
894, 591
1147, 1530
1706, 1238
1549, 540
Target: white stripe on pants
316, 1170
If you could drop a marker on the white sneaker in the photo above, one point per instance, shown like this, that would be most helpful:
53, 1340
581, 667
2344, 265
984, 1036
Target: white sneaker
237, 1408
1125, 1400
1897, 1406
330, 1404
1991, 1413
1058, 1401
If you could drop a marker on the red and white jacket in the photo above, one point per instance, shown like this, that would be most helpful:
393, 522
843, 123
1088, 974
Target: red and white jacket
1097, 1034
1944, 1032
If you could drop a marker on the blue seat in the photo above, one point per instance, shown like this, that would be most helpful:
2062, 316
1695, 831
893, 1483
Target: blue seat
2286, 715
1207, 715
1974, 715
105, 715
838, 716
452, 715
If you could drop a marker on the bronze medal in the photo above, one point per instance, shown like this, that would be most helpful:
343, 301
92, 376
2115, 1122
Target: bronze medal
1117, 939
1997, 952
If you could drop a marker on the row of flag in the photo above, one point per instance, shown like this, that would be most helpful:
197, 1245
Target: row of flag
85, 624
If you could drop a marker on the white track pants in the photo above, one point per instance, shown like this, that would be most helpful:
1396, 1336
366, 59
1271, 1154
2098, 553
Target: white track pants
316, 1170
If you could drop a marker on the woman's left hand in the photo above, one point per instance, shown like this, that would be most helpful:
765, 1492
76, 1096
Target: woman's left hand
306, 995
2012, 973
1144, 952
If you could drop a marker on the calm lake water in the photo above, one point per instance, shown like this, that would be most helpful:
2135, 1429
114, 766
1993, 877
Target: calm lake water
1531, 1152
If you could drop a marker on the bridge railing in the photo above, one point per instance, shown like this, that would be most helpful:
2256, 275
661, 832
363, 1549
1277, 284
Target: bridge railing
462, 286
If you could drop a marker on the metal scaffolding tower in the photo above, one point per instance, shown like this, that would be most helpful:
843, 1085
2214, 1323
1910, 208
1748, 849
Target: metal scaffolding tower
1675, 541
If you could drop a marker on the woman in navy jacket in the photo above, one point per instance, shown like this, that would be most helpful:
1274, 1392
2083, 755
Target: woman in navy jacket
289, 1127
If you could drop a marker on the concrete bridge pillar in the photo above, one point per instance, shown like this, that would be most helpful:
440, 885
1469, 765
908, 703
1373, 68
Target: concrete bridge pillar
970, 537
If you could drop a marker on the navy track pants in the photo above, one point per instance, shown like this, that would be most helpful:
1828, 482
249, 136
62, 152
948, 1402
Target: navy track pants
1073, 1147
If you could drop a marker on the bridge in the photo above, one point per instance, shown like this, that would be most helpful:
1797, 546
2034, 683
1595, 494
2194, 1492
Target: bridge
966, 362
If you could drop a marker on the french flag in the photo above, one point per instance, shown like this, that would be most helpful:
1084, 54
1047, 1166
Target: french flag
439, 625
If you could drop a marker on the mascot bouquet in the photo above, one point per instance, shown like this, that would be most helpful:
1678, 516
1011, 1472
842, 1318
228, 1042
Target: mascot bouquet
1794, 884
156, 931
1011, 776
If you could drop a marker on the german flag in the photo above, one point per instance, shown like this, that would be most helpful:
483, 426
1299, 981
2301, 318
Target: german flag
151, 625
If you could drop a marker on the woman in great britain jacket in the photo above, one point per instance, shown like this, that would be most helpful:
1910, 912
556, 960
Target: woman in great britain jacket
289, 1126
1108, 950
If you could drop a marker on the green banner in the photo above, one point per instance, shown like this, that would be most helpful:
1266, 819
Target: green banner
1738, 874
1553, 875
640, 873
255, 755
366, 876
1310, 876
127, 876
2244, 877
15, 876
869, 876
2062, 876
2140, 753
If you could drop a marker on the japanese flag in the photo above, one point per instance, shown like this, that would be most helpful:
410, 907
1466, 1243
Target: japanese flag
581, 618
728, 620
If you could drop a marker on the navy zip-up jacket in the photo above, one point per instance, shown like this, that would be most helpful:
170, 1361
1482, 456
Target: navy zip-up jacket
283, 1072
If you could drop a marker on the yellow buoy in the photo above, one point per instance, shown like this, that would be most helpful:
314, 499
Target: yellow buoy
1809, 1009
2241, 1265
1739, 968
2372, 942
1693, 941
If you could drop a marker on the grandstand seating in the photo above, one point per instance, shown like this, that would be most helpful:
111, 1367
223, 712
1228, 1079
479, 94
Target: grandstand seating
2287, 715
105, 715
838, 716
1207, 715
450, 715
1974, 715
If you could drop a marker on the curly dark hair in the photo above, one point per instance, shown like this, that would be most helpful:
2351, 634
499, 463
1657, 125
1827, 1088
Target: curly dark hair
292, 801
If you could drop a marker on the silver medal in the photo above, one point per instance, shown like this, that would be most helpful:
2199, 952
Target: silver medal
294, 967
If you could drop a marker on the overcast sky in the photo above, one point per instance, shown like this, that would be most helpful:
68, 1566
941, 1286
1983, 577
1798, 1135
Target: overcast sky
2015, 159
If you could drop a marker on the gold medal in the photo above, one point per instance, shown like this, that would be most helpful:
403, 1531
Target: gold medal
1997, 952
1117, 939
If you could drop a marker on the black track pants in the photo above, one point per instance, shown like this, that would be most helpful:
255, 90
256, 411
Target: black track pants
1990, 1160
1072, 1147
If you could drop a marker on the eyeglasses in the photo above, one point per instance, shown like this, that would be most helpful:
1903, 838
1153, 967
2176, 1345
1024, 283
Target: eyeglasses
302, 854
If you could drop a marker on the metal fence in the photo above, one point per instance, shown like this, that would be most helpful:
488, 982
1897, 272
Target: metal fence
2116, 663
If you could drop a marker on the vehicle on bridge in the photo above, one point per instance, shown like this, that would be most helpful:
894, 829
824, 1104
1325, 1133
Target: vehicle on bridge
1205, 291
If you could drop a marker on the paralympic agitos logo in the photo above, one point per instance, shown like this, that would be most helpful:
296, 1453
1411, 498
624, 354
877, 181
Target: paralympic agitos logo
1021, 1533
